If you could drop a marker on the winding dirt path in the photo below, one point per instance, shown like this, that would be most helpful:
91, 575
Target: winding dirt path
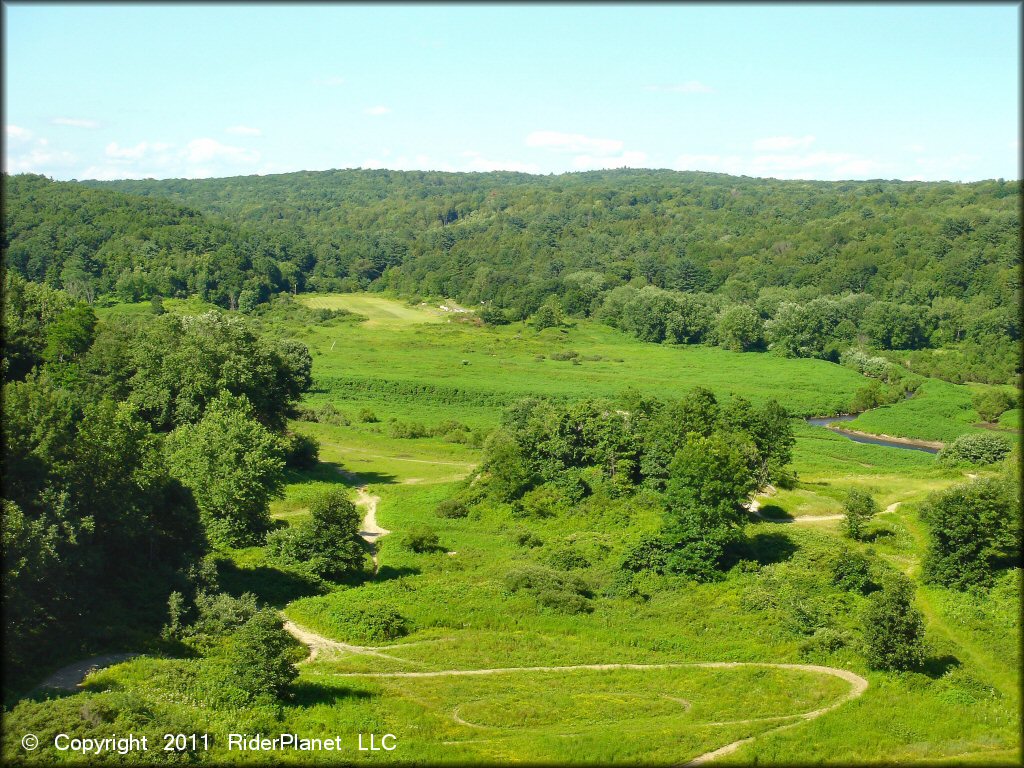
370, 531
754, 508
857, 683
71, 677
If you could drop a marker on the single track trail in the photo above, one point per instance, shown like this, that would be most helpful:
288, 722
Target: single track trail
370, 530
858, 684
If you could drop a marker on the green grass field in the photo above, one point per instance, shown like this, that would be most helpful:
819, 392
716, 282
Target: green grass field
406, 363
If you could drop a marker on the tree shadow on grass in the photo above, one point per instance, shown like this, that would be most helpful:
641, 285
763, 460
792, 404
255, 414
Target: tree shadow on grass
335, 473
775, 513
388, 572
880, 533
936, 666
763, 548
270, 585
307, 694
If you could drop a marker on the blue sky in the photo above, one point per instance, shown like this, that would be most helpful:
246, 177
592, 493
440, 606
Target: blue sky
789, 91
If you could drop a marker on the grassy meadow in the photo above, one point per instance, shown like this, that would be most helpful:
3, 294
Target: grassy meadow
779, 605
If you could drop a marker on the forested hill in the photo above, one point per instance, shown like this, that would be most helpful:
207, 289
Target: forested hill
509, 237
940, 260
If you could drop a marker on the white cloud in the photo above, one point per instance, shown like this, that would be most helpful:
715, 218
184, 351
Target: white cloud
573, 142
631, 159
198, 158
477, 162
690, 86
204, 150
916, 149
75, 122
18, 134
243, 130
714, 163
116, 152
377, 110
773, 143
28, 153
791, 165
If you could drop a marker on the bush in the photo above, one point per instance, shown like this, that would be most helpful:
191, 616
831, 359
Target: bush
367, 416
301, 451
567, 558
371, 622
894, 628
563, 602
421, 539
992, 403
552, 589
972, 529
327, 545
851, 572
975, 448
526, 538
219, 614
407, 430
328, 414
860, 507
259, 657
543, 501
452, 508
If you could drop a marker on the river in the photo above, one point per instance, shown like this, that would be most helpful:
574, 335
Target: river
826, 421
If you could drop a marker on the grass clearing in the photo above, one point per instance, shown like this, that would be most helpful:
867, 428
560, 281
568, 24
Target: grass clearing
781, 607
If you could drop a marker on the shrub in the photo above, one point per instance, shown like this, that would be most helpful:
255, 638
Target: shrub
894, 628
452, 508
328, 414
301, 451
552, 589
219, 614
543, 501
421, 539
367, 416
327, 545
304, 412
526, 538
992, 403
567, 558
851, 572
563, 602
568, 354
258, 657
972, 528
860, 507
407, 430
975, 449
372, 622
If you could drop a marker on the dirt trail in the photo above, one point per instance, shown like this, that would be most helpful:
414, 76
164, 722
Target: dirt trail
857, 683
71, 677
754, 508
317, 643
370, 531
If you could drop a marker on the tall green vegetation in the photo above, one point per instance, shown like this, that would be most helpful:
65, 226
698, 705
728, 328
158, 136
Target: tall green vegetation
233, 464
893, 627
327, 544
859, 507
907, 268
129, 446
974, 529
704, 459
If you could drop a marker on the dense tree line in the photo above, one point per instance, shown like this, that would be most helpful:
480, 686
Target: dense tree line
131, 446
704, 458
806, 268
